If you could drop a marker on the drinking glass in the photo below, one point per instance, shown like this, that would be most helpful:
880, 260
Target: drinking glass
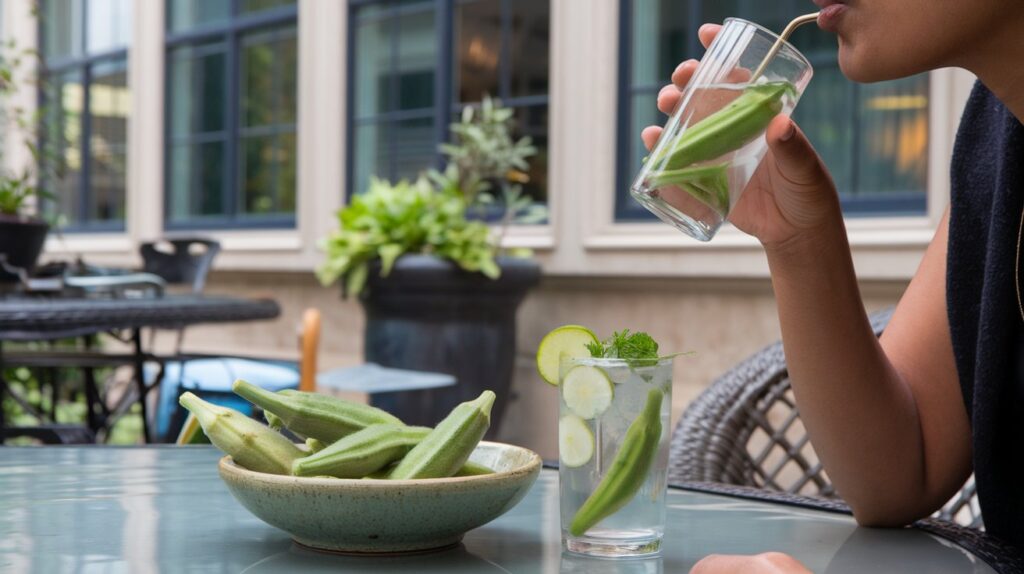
614, 430
714, 139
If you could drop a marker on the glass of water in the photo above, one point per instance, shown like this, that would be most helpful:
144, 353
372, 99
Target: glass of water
714, 139
613, 454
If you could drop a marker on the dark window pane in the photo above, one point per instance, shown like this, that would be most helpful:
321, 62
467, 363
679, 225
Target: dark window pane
416, 149
108, 25
660, 37
893, 153
370, 152
64, 105
62, 28
196, 180
372, 78
643, 112
268, 174
185, 14
259, 5
259, 162
417, 60
478, 50
109, 106
529, 46
533, 122
198, 88
268, 78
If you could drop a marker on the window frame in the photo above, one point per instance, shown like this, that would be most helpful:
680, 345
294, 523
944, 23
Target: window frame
856, 206
231, 32
445, 107
84, 64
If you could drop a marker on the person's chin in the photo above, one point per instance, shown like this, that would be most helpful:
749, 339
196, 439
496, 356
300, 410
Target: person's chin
861, 67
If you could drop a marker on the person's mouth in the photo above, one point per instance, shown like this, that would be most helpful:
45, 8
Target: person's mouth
831, 12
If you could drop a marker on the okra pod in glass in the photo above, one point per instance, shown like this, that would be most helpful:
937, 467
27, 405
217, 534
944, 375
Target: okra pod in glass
714, 140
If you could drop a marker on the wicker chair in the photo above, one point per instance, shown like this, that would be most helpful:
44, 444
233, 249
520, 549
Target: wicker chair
745, 430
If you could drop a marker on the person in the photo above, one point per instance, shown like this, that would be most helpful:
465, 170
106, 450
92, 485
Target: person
900, 422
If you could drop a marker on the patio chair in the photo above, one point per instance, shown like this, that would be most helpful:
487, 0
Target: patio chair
745, 430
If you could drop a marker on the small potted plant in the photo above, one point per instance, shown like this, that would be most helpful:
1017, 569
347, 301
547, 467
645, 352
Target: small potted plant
22, 231
439, 289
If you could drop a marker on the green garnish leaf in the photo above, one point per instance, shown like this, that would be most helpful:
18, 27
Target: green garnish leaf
625, 345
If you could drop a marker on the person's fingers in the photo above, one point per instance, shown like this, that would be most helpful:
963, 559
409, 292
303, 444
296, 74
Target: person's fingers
683, 72
668, 97
794, 155
707, 33
650, 136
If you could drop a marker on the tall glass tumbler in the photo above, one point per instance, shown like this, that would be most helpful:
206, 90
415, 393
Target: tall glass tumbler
714, 139
613, 438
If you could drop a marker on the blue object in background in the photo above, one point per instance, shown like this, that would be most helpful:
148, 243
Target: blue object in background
211, 379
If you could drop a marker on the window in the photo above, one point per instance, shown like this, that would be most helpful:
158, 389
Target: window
85, 107
874, 138
415, 63
231, 113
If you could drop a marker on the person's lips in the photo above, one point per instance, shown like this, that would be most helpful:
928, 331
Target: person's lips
831, 12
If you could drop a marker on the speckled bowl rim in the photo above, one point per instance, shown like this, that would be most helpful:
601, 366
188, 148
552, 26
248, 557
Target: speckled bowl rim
228, 466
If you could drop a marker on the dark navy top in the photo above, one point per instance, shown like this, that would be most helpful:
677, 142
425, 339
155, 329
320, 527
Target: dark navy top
984, 317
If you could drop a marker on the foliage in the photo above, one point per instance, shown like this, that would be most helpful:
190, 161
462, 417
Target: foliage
390, 220
484, 159
16, 188
430, 215
625, 345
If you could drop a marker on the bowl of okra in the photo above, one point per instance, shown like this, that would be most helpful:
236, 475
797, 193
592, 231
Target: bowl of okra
363, 481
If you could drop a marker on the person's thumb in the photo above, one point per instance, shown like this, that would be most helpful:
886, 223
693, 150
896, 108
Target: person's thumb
795, 158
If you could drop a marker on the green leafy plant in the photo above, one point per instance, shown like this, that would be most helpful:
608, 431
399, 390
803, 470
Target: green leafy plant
430, 215
17, 188
389, 220
487, 166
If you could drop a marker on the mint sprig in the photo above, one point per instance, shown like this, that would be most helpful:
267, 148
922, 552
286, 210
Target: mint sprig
625, 345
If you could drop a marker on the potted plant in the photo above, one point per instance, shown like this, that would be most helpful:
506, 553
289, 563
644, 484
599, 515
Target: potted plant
22, 231
439, 289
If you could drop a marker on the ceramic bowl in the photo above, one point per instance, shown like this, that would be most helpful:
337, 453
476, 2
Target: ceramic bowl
386, 516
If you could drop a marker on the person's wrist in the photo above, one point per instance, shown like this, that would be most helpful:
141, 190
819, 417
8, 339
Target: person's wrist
807, 244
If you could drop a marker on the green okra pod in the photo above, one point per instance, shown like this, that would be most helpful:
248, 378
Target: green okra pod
312, 415
629, 468
473, 469
443, 452
361, 453
729, 128
709, 184
250, 444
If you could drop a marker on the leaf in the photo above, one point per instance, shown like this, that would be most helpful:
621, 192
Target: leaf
356, 279
388, 254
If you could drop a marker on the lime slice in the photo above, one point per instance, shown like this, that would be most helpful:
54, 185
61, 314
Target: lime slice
575, 441
570, 340
587, 391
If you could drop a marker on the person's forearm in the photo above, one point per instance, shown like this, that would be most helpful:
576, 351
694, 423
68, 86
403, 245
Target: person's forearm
861, 417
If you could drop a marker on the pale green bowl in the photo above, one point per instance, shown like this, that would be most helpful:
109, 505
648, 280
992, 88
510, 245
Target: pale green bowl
386, 516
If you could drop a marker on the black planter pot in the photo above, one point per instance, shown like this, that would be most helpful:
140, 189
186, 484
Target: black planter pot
429, 315
21, 240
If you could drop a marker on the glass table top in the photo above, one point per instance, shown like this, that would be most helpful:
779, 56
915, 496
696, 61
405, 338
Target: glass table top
165, 509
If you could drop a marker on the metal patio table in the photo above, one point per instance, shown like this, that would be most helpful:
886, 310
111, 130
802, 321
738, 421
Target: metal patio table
35, 318
165, 509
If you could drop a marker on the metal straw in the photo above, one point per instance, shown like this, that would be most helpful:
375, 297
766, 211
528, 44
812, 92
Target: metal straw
796, 23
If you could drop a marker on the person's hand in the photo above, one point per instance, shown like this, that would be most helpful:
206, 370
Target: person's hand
767, 563
790, 192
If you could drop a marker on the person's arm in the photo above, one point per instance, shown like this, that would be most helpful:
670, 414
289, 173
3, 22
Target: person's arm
886, 417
